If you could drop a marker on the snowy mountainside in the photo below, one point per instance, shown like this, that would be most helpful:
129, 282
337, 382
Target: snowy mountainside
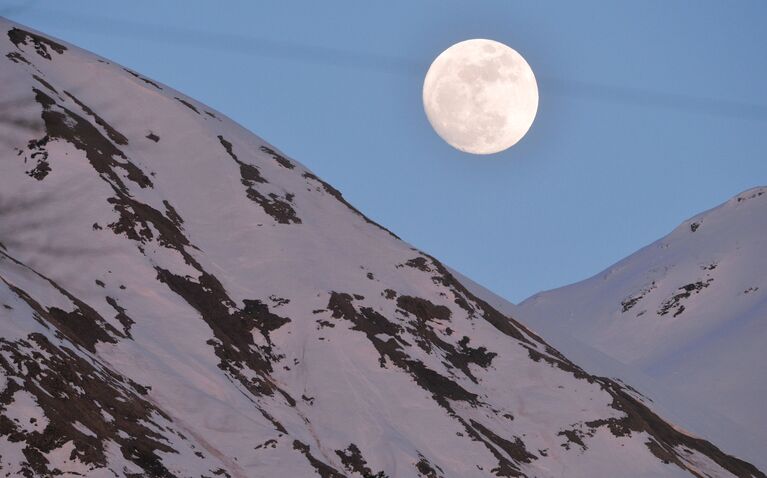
178, 298
689, 311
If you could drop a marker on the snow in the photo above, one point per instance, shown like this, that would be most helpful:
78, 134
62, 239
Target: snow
83, 429
25, 412
193, 363
704, 365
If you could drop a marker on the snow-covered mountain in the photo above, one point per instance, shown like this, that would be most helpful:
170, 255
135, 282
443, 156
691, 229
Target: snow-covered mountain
178, 298
690, 313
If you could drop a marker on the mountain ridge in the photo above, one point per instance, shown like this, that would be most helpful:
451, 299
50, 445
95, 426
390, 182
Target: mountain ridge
686, 311
181, 299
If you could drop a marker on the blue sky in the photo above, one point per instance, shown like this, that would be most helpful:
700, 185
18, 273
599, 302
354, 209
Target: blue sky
650, 112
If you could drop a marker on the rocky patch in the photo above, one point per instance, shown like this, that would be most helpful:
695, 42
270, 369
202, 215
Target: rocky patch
391, 349
322, 469
187, 104
17, 57
666, 443
265, 321
572, 437
628, 303
38, 157
352, 459
113, 134
281, 160
43, 46
513, 448
232, 328
84, 404
62, 123
426, 469
121, 316
674, 303
145, 80
279, 208
752, 195
82, 325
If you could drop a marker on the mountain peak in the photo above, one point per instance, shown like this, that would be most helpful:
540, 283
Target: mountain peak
687, 313
179, 298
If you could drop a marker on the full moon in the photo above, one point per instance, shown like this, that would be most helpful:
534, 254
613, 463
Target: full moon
480, 96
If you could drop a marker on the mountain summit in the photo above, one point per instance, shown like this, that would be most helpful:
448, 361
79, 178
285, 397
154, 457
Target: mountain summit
689, 312
178, 298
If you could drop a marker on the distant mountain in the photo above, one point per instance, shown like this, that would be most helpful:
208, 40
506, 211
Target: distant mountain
690, 312
178, 298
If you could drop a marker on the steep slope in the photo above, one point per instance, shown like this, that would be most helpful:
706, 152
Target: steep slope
689, 311
177, 298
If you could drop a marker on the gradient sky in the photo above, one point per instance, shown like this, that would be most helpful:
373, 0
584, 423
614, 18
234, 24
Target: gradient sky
650, 112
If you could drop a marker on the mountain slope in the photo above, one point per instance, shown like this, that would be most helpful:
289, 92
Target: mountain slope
689, 311
177, 298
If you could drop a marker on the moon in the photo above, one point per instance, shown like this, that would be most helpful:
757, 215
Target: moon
480, 96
